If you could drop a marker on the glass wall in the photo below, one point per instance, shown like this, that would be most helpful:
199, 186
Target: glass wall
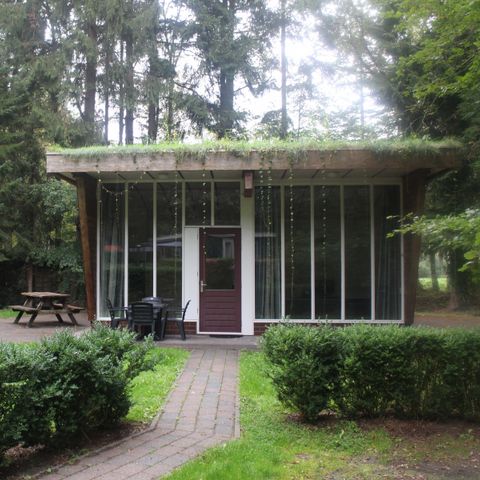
346, 232
388, 276
227, 203
197, 203
169, 241
112, 254
140, 241
313, 226
357, 252
297, 252
328, 253
268, 253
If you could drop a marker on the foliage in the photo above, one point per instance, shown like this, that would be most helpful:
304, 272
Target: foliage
450, 233
66, 386
406, 147
305, 366
375, 371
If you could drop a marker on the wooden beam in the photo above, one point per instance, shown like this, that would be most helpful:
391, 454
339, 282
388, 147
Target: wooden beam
87, 207
413, 202
341, 159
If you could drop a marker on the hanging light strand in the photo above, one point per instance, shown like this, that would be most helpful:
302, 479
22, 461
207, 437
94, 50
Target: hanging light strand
269, 210
175, 229
324, 240
204, 208
292, 235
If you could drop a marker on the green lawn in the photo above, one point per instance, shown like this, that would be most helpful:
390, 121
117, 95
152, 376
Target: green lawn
426, 283
7, 313
149, 389
274, 445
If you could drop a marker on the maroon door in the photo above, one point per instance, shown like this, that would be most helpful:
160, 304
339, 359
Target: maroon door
220, 277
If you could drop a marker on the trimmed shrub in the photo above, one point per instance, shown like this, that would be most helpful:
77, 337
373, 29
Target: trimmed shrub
66, 385
304, 366
376, 370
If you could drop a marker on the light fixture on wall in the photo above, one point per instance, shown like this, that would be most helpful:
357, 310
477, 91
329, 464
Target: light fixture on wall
247, 183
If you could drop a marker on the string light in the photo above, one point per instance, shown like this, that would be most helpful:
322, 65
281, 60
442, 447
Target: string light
324, 239
292, 236
175, 228
204, 209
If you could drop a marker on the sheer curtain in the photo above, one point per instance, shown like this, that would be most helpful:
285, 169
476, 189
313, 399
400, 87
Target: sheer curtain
387, 253
112, 228
267, 253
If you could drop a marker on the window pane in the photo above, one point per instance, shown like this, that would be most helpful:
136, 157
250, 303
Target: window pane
220, 262
227, 203
198, 203
169, 241
328, 261
267, 253
357, 252
297, 252
112, 255
387, 253
140, 241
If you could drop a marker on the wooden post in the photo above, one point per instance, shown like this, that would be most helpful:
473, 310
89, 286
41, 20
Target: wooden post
87, 207
413, 202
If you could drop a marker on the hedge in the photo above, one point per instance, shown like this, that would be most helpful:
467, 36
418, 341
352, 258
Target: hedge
66, 385
414, 372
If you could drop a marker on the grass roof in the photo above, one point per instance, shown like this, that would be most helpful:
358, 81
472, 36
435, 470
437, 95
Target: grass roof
242, 147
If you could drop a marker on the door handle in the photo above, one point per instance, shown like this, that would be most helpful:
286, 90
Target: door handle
202, 285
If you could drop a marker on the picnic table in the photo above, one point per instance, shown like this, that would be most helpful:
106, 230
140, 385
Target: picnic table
52, 303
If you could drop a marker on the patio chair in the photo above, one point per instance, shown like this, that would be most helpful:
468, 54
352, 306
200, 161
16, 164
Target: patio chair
117, 314
177, 315
141, 314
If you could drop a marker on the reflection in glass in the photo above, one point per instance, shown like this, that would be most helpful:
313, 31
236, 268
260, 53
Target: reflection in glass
112, 255
227, 203
357, 252
140, 241
387, 253
220, 262
197, 203
267, 253
297, 253
169, 241
328, 260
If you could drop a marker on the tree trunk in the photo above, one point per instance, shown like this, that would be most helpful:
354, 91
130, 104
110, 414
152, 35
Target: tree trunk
121, 98
106, 87
433, 272
153, 99
226, 104
169, 125
283, 67
91, 81
458, 281
129, 86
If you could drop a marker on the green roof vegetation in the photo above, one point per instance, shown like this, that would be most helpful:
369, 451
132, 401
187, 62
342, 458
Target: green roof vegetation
267, 147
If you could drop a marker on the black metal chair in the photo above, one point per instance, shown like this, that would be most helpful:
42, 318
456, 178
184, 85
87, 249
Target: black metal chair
117, 314
177, 315
140, 315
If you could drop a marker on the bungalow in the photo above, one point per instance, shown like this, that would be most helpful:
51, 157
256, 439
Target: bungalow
253, 236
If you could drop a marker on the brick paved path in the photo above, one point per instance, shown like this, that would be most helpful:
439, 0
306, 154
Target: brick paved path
200, 412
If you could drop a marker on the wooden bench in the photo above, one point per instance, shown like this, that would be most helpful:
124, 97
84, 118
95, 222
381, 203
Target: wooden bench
57, 310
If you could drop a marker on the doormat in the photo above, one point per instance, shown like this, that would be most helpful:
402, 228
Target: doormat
225, 336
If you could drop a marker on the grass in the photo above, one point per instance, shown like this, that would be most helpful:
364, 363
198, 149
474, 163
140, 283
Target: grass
274, 445
243, 147
426, 283
149, 389
7, 313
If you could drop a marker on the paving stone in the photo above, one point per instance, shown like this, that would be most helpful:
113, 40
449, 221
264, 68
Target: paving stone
200, 413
